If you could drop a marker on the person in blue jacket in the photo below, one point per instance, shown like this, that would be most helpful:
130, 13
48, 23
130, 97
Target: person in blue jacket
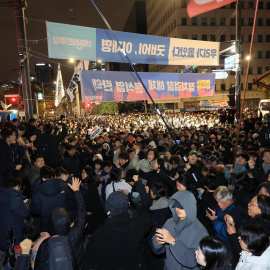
226, 205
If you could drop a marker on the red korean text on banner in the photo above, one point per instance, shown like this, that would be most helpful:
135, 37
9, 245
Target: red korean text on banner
196, 7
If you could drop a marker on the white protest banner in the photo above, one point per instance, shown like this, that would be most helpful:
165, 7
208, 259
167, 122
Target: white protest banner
95, 132
59, 89
71, 91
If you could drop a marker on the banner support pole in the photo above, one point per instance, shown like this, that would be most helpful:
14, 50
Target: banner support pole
134, 70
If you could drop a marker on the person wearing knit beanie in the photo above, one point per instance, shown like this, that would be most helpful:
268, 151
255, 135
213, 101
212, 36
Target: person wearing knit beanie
117, 203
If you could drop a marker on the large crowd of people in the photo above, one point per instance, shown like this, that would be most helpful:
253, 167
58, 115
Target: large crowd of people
136, 195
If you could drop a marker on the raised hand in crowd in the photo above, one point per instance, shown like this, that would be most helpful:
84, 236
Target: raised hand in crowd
75, 186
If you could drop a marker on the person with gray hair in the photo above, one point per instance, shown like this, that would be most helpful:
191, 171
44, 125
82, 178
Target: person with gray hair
226, 205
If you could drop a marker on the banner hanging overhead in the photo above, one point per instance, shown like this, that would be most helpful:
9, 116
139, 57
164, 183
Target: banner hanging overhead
97, 86
196, 7
86, 43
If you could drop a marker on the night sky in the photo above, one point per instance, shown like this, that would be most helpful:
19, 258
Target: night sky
37, 12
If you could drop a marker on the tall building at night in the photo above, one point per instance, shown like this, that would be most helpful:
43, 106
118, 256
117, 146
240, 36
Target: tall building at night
169, 18
44, 73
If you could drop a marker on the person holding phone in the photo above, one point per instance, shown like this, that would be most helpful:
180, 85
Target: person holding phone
226, 205
180, 235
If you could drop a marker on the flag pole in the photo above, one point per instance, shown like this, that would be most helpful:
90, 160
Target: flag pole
238, 64
245, 86
134, 70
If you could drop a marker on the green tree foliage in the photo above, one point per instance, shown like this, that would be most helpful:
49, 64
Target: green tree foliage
35, 87
107, 107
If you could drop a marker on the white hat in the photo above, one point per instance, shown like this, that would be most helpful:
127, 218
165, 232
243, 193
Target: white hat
152, 143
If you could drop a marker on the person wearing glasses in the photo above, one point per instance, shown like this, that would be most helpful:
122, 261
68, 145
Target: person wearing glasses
258, 214
255, 244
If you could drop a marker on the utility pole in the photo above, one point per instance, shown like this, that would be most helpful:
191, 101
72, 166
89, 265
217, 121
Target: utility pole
19, 6
44, 102
238, 60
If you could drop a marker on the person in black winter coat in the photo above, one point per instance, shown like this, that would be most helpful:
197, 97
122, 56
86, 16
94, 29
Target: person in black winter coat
8, 156
211, 182
157, 175
13, 212
94, 210
64, 250
71, 161
193, 170
160, 213
49, 146
117, 244
264, 133
50, 194
244, 190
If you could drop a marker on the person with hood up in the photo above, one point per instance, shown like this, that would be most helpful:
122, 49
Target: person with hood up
181, 234
106, 152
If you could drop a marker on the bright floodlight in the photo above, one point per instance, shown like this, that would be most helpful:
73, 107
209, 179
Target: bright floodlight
248, 57
71, 60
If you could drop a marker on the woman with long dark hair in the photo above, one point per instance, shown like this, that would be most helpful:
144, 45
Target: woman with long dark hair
159, 209
212, 254
116, 182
